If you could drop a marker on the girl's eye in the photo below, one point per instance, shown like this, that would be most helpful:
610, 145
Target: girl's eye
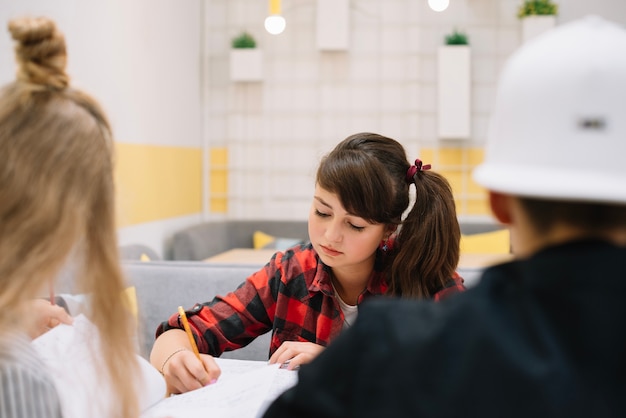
356, 228
320, 214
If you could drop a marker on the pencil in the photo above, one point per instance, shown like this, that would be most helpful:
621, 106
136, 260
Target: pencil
192, 341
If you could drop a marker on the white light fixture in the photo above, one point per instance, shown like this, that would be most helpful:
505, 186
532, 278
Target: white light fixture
439, 5
275, 23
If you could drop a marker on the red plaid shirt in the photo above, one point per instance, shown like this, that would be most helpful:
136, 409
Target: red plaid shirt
291, 296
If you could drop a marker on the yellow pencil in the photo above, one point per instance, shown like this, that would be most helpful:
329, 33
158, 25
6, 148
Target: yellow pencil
192, 341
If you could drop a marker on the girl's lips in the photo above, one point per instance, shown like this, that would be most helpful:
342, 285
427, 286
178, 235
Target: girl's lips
330, 251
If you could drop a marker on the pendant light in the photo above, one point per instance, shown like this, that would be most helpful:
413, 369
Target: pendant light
275, 23
439, 5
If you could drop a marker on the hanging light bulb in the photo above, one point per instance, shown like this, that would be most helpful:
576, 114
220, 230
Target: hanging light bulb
439, 5
275, 23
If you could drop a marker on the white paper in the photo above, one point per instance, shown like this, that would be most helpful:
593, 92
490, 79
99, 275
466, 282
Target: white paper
244, 390
71, 354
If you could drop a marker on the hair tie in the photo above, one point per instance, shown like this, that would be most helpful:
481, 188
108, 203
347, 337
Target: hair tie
414, 169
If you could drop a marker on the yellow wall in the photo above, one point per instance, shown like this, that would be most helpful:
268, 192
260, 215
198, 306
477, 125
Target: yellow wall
456, 164
218, 173
157, 182
160, 182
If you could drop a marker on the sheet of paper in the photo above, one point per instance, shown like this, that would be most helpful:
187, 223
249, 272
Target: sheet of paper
70, 352
71, 355
283, 380
244, 390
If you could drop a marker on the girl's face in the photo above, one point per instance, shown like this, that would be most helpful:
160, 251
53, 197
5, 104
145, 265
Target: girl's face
341, 239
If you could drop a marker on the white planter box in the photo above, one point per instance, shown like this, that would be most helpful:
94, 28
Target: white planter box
246, 64
454, 88
333, 25
534, 25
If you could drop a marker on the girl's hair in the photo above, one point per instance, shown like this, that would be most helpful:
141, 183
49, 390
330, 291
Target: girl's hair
57, 199
368, 172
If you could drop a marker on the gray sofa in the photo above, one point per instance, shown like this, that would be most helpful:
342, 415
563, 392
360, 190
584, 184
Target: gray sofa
162, 286
207, 239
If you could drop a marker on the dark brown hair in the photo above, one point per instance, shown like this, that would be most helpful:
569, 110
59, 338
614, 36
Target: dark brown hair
368, 172
589, 216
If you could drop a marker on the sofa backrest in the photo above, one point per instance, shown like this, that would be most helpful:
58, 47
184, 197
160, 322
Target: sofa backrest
137, 252
471, 228
207, 239
162, 286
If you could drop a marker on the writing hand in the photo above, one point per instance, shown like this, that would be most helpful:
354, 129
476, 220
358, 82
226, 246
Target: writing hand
296, 353
183, 372
46, 316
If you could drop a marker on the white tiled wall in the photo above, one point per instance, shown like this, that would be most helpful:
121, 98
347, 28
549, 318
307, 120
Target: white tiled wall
277, 130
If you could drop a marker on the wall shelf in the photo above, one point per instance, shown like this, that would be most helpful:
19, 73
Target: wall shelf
246, 64
534, 25
333, 25
454, 88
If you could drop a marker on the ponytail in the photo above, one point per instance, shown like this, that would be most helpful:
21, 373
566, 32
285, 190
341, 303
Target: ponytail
428, 244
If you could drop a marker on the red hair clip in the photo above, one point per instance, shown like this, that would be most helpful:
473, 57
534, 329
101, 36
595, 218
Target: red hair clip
415, 168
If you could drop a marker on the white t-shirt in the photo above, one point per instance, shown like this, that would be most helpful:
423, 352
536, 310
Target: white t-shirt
350, 312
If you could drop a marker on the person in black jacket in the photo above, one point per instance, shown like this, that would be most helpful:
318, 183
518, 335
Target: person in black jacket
541, 336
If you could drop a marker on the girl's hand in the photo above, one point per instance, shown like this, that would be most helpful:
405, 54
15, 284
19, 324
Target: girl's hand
46, 316
183, 372
295, 353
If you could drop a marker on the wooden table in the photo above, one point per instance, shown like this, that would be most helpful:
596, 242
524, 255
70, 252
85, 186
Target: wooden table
262, 256
242, 256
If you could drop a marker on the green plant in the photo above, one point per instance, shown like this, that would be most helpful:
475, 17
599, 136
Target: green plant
537, 7
243, 40
457, 38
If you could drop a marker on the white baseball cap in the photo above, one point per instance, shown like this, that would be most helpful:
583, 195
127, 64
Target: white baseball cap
558, 130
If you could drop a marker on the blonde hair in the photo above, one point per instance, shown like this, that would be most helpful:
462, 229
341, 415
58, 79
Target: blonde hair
57, 195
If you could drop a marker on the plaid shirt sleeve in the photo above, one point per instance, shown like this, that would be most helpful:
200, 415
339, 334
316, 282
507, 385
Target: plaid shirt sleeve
232, 321
286, 296
453, 286
292, 296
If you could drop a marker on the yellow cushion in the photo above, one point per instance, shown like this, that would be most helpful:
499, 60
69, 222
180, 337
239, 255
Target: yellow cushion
496, 242
261, 239
144, 257
130, 293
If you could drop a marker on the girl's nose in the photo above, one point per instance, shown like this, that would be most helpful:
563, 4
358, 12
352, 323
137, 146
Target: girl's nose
333, 232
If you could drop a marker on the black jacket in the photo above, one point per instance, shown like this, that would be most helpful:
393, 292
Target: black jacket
544, 337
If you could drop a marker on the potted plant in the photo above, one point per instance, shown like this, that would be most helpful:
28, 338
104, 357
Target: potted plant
453, 86
456, 38
246, 60
537, 16
243, 41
